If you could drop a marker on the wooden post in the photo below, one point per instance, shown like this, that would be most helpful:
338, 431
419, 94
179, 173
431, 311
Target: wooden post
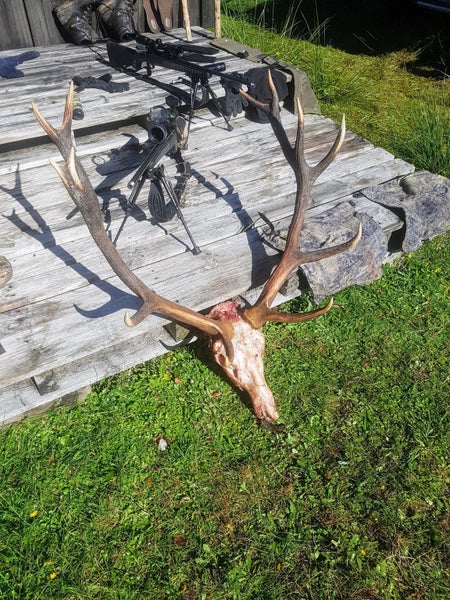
186, 20
217, 20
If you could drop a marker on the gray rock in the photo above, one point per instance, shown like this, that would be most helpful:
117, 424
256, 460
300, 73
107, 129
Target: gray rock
421, 199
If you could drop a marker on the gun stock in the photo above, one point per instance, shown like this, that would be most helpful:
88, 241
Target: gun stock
122, 57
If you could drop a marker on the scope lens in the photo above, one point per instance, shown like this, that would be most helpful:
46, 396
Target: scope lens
158, 114
157, 134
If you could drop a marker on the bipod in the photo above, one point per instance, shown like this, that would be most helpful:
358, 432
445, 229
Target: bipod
162, 180
159, 179
200, 82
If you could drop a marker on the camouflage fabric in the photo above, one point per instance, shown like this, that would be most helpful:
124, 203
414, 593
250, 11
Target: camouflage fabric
117, 17
362, 264
77, 19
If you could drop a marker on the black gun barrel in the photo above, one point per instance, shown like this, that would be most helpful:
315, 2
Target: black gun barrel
174, 48
191, 69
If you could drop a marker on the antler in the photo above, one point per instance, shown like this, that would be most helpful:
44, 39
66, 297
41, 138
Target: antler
292, 256
235, 342
80, 189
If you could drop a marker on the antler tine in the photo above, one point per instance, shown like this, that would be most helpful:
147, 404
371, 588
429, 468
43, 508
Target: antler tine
292, 256
272, 111
60, 136
275, 98
76, 181
331, 155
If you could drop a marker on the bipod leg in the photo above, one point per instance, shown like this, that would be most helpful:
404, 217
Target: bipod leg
194, 89
137, 187
154, 155
174, 198
216, 102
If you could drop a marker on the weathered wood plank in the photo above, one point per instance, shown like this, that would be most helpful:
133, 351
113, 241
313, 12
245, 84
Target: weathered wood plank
13, 400
215, 254
46, 81
224, 148
42, 23
104, 362
35, 222
15, 29
38, 215
113, 169
104, 301
24, 400
200, 11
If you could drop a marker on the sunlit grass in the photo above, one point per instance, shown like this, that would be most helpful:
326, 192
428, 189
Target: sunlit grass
351, 499
383, 99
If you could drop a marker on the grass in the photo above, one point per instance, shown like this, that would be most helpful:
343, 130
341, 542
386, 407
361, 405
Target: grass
429, 142
350, 501
391, 98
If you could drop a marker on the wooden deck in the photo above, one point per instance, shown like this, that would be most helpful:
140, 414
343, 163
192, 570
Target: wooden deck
61, 315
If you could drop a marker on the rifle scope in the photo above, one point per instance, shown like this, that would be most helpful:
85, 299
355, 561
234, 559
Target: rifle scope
160, 123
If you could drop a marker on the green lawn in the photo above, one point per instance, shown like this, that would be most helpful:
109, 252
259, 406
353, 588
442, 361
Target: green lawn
397, 99
351, 500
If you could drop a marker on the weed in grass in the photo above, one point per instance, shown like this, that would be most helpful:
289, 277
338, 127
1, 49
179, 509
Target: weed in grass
428, 143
